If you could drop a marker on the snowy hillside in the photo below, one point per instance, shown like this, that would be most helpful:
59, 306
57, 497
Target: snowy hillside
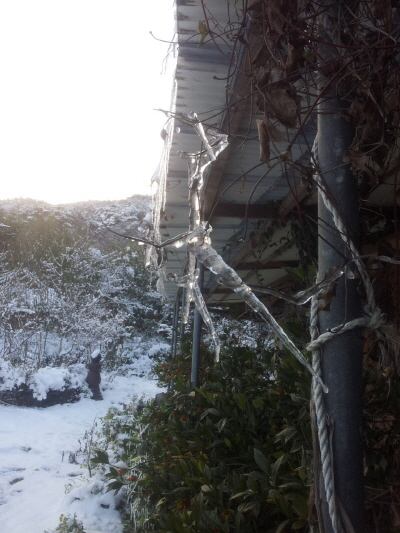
69, 286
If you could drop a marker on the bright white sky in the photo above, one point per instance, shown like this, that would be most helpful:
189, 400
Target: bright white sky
79, 81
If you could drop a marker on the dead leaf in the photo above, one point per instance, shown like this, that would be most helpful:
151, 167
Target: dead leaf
384, 421
274, 133
356, 111
282, 103
262, 77
262, 56
279, 13
326, 297
263, 137
368, 117
277, 75
382, 9
295, 59
275, 22
374, 121
358, 160
307, 179
255, 5
203, 31
285, 156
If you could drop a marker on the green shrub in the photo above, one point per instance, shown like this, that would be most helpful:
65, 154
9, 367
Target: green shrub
233, 455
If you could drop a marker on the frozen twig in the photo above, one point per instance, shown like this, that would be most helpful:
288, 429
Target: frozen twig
205, 253
199, 248
305, 296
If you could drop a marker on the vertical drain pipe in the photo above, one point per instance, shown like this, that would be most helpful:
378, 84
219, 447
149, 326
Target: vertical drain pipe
341, 360
197, 325
175, 326
182, 328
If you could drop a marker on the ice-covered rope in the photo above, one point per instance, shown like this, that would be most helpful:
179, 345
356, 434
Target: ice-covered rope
322, 422
316, 342
341, 228
373, 319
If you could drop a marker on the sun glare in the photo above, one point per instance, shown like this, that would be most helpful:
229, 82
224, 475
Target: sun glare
80, 81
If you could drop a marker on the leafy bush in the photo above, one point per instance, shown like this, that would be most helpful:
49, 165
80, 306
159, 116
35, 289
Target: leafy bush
232, 455
235, 454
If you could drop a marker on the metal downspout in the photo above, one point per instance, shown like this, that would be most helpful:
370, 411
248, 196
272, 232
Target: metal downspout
197, 325
342, 355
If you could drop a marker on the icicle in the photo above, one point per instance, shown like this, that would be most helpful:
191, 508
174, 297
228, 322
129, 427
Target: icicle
160, 283
148, 256
190, 267
214, 141
186, 307
199, 247
159, 181
205, 315
305, 296
227, 276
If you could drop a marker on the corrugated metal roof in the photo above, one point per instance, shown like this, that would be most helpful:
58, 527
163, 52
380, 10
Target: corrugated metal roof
208, 77
201, 87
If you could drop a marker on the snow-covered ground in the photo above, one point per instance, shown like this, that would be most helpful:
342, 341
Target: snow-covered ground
37, 450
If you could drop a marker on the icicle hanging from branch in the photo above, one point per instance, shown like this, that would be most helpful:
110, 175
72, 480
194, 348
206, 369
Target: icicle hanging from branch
199, 248
204, 252
189, 282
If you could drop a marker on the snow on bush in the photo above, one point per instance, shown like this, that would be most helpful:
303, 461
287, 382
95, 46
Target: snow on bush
48, 378
44, 379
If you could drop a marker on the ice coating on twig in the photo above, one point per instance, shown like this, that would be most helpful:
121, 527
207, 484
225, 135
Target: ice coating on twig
158, 188
227, 276
186, 283
302, 297
205, 315
197, 163
214, 141
186, 305
199, 248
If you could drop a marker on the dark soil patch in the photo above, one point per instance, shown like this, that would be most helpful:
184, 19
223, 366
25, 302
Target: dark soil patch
23, 396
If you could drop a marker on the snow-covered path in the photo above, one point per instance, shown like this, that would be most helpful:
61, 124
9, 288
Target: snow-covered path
35, 448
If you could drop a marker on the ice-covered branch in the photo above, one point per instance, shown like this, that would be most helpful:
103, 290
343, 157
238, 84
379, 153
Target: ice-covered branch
199, 249
174, 242
189, 282
205, 315
205, 253
305, 296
